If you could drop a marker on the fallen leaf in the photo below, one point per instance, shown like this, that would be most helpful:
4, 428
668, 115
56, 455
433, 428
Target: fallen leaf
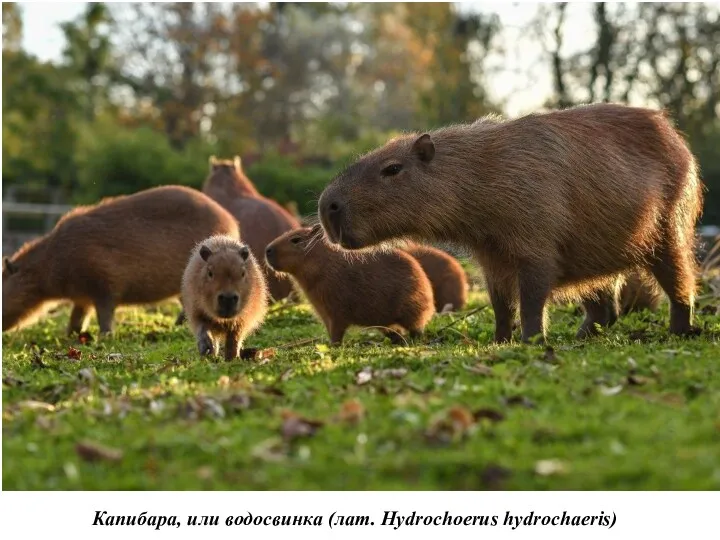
493, 476
85, 338
479, 368
519, 400
86, 374
31, 405
352, 412
611, 390
287, 374
73, 353
391, 373
269, 450
549, 467
637, 380
114, 357
451, 426
363, 377
201, 406
295, 426
488, 414
632, 364
90, 451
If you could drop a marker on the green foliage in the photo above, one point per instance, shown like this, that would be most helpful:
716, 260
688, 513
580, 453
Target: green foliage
632, 409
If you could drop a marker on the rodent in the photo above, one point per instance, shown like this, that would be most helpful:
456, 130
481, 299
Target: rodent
387, 289
130, 249
224, 295
447, 276
553, 205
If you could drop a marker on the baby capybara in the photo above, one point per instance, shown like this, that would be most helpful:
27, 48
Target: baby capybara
387, 289
261, 219
224, 295
558, 204
447, 276
130, 249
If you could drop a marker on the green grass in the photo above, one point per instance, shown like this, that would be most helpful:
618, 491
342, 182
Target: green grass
633, 409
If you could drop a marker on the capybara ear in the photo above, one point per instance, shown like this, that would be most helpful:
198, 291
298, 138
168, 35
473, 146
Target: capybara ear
244, 253
213, 162
205, 253
8, 267
238, 163
424, 147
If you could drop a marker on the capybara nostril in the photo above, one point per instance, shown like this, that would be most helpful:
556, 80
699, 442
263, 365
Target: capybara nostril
334, 208
228, 300
269, 251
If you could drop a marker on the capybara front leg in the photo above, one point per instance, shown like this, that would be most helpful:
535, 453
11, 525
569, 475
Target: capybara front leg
337, 333
534, 285
105, 309
504, 303
674, 272
232, 345
78, 318
181, 318
205, 342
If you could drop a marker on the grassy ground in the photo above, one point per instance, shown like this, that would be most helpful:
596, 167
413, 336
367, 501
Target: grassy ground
634, 409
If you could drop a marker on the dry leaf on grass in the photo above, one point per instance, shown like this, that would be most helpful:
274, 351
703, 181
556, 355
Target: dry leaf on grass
550, 467
363, 377
90, 451
367, 374
488, 414
611, 390
73, 353
480, 369
32, 405
295, 426
351, 412
450, 426
272, 450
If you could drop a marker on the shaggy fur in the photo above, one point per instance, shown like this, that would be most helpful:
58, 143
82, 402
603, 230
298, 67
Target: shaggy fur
261, 219
560, 204
220, 268
130, 249
448, 278
384, 289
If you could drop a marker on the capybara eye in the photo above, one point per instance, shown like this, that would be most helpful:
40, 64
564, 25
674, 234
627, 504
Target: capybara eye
392, 170
295, 240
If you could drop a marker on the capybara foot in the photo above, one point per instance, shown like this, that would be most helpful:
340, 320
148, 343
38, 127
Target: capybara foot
181, 318
206, 347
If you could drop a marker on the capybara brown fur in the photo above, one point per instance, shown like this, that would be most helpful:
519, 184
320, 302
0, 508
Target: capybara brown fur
261, 219
639, 293
388, 290
554, 205
224, 294
125, 250
446, 274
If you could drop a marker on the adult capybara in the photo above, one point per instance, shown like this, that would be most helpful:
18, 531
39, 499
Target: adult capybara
261, 219
447, 276
386, 290
224, 294
558, 204
130, 249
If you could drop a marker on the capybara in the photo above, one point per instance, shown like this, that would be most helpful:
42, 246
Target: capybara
261, 219
130, 249
447, 276
388, 290
554, 205
224, 294
638, 293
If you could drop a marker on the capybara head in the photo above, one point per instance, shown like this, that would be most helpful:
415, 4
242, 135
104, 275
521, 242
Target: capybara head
288, 252
223, 282
382, 195
21, 292
225, 165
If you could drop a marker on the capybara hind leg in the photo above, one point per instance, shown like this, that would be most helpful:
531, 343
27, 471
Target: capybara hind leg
232, 345
535, 286
78, 318
675, 274
105, 309
205, 343
504, 303
602, 311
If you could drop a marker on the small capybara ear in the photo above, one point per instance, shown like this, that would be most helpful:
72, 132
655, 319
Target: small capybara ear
205, 253
424, 147
213, 162
8, 267
238, 163
244, 253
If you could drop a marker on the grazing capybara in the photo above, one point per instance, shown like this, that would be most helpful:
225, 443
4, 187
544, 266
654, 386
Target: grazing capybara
125, 250
387, 289
261, 219
224, 295
554, 205
447, 276
638, 293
